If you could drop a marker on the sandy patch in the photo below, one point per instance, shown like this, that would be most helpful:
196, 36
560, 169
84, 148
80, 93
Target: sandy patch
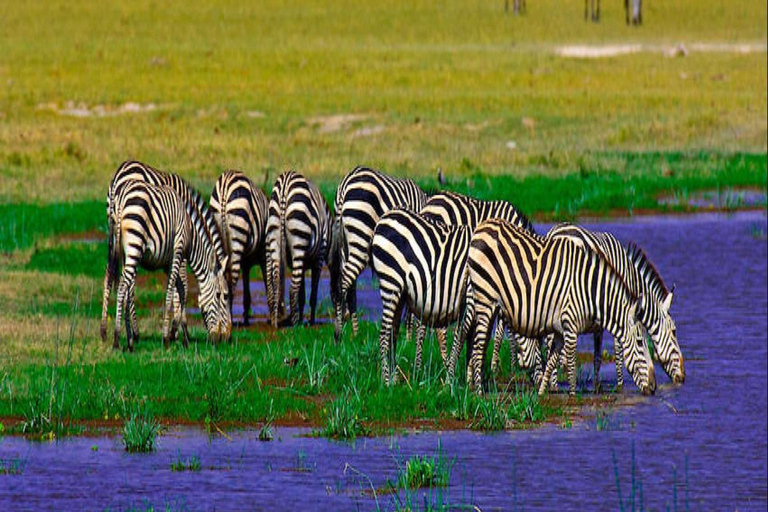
615, 50
329, 124
73, 109
368, 131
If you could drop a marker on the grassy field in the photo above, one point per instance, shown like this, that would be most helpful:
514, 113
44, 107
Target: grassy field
408, 87
265, 87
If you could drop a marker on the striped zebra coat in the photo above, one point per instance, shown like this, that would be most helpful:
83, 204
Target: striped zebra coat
420, 264
156, 229
132, 170
362, 197
547, 286
241, 210
653, 309
453, 209
298, 235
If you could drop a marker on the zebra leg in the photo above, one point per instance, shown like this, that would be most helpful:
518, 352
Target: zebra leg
170, 299
130, 308
421, 333
128, 276
316, 270
246, 275
569, 341
553, 356
484, 317
105, 303
442, 342
498, 337
391, 311
597, 358
618, 351
181, 288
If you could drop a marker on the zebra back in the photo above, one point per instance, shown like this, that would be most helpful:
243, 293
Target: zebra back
241, 210
456, 209
133, 170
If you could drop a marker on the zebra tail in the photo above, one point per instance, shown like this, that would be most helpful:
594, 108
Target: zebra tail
282, 243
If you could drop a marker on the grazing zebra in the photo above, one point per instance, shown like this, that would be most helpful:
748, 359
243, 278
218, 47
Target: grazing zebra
298, 234
241, 210
129, 171
543, 286
636, 11
419, 263
362, 197
157, 229
453, 209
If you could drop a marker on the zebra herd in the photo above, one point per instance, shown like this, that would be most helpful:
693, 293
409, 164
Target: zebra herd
441, 259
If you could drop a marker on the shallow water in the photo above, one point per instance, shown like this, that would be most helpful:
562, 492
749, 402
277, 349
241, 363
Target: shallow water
716, 425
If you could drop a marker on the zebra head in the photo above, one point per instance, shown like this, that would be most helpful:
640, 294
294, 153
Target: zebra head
214, 300
664, 336
637, 357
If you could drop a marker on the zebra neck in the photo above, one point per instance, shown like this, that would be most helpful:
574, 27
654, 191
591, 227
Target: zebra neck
613, 300
201, 253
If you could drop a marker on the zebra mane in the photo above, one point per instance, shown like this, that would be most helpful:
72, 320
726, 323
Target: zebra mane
647, 269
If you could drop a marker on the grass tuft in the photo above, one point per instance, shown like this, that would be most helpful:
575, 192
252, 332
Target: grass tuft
140, 433
343, 419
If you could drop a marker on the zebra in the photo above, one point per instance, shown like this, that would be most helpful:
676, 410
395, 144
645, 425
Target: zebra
595, 12
298, 234
643, 279
420, 263
454, 209
635, 14
547, 285
362, 197
132, 170
155, 228
241, 210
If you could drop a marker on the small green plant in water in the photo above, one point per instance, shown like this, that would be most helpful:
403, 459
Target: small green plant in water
427, 471
190, 464
14, 466
139, 433
267, 432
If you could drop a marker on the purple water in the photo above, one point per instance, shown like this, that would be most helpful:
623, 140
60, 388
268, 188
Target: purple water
716, 424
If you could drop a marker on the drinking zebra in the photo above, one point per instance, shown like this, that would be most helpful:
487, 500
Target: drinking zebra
653, 308
132, 170
241, 210
419, 263
543, 286
362, 197
298, 234
157, 229
453, 209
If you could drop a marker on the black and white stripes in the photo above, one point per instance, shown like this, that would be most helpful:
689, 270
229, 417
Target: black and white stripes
362, 197
298, 235
156, 229
241, 209
544, 286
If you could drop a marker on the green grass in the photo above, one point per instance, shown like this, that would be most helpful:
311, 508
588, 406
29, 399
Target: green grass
242, 86
187, 464
426, 471
140, 432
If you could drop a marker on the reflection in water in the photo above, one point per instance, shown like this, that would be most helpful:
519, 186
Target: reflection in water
715, 425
